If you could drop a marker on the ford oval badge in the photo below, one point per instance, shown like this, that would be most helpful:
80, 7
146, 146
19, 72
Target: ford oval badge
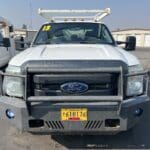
74, 87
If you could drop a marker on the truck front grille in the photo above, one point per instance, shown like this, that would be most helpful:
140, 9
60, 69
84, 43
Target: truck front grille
99, 84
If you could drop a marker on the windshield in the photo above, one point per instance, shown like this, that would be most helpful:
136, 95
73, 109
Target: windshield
73, 33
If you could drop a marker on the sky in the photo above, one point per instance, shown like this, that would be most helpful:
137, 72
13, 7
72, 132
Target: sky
125, 13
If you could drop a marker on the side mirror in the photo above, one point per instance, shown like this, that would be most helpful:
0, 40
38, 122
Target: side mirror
11, 29
22, 44
6, 42
130, 43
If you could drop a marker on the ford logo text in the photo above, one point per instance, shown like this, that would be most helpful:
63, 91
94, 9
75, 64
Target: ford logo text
74, 87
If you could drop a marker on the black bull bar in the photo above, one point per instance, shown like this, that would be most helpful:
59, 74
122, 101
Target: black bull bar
119, 98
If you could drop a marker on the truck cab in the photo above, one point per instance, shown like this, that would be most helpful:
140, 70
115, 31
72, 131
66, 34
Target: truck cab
74, 79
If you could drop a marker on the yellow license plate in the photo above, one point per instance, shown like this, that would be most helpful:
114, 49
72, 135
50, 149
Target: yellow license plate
74, 114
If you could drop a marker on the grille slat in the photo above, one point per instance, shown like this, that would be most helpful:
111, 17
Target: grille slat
89, 126
47, 124
51, 125
60, 93
97, 124
100, 124
56, 125
86, 126
93, 125
61, 124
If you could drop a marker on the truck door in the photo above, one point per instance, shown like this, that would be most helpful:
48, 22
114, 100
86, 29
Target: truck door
4, 53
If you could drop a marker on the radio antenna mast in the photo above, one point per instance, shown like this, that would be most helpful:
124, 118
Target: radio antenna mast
30, 7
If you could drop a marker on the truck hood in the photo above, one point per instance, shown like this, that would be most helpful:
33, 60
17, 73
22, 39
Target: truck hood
74, 52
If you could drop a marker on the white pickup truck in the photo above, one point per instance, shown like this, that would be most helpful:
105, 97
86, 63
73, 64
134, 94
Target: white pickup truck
7, 47
74, 79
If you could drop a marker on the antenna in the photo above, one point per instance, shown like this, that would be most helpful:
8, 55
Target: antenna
30, 7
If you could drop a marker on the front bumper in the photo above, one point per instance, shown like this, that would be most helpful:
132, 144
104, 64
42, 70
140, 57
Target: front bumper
49, 114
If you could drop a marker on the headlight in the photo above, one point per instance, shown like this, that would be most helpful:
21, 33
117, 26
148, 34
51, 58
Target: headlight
135, 83
13, 86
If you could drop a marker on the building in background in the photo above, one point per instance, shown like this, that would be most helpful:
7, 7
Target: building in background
27, 34
142, 36
23, 36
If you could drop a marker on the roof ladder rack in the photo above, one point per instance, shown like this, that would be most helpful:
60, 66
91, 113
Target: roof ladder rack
74, 15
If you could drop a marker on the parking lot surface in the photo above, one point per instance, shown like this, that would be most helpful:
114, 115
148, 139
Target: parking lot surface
139, 138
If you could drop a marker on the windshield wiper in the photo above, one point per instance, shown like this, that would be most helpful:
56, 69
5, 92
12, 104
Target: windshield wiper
94, 42
43, 43
88, 42
39, 43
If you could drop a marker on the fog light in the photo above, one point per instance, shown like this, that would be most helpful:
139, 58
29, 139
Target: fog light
10, 114
138, 112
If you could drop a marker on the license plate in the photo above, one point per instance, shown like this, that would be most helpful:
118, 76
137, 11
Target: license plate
74, 114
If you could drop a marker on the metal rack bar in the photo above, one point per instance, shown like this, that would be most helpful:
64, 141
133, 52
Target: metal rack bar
93, 15
74, 98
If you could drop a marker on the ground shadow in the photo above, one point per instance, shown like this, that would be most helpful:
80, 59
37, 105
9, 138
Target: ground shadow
138, 138
128, 140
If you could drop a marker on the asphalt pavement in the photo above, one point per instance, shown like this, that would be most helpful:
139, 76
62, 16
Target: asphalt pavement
138, 138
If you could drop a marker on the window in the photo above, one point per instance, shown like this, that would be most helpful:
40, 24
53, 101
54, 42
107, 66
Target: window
105, 35
1, 40
77, 33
